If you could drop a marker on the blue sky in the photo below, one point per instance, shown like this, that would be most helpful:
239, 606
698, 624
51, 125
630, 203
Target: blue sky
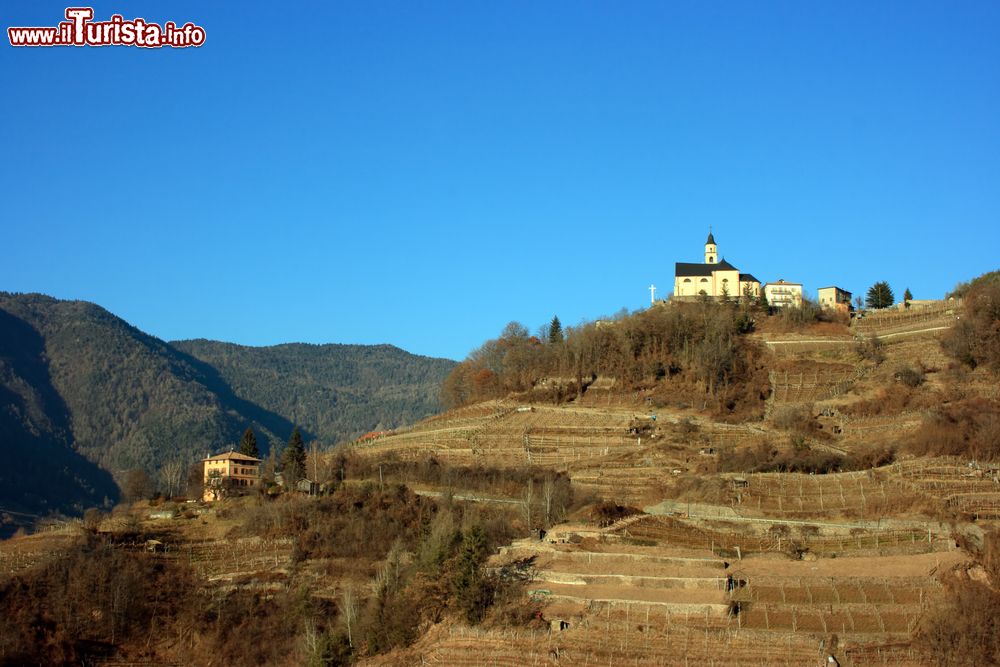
422, 173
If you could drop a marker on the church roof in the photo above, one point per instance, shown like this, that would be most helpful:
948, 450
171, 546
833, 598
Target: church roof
711, 239
689, 269
747, 278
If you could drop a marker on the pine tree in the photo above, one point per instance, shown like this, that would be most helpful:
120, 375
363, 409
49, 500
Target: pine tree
555, 330
880, 296
907, 298
248, 444
293, 459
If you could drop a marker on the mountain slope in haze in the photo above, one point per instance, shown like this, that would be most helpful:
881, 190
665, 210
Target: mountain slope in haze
335, 392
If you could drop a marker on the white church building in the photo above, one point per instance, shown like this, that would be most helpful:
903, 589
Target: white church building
715, 278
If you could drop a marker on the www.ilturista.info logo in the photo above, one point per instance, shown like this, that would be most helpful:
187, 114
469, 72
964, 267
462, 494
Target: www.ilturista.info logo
80, 30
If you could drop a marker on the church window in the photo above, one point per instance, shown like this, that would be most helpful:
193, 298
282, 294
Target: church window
687, 280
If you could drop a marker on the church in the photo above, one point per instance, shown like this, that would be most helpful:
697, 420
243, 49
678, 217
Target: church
715, 278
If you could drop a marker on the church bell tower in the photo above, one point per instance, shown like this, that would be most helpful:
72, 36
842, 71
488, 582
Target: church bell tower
711, 252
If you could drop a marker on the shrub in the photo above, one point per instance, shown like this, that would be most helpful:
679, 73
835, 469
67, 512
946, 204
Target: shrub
870, 348
910, 376
606, 513
795, 418
969, 428
964, 630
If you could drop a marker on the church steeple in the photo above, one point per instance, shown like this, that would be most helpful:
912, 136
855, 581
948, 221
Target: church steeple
711, 251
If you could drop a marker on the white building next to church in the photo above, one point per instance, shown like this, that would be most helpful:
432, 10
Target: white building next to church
783, 295
716, 279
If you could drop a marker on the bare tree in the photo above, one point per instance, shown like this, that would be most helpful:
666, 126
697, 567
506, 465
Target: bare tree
314, 459
137, 485
349, 611
527, 500
548, 494
172, 475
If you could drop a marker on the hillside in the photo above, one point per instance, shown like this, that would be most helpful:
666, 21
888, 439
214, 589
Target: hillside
851, 517
84, 393
334, 392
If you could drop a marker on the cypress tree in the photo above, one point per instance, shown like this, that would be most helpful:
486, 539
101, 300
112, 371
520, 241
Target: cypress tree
248, 444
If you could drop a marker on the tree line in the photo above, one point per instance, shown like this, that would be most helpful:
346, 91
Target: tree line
701, 344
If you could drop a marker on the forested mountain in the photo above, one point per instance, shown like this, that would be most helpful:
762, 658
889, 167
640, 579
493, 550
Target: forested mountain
334, 392
84, 394
40, 469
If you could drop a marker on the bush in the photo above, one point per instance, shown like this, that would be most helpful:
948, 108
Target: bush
968, 428
606, 513
870, 348
910, 376
964, 630
796, 418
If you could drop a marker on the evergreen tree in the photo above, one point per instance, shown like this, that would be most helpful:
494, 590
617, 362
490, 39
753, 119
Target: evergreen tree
248, 444
473, 589
907, 298
555, 330
880, 296
293, 459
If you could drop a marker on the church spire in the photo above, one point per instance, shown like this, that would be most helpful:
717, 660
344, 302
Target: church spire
711, 250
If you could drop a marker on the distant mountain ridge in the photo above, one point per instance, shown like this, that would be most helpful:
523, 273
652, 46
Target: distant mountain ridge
84, 395
333, 391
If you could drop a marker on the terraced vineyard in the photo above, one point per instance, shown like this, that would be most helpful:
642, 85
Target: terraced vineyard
647, 591
765, 568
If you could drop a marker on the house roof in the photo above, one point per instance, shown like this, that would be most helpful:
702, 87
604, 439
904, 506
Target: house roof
746, 277
836, 288
233, 456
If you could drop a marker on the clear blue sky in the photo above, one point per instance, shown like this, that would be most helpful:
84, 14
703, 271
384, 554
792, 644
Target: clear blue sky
421, 173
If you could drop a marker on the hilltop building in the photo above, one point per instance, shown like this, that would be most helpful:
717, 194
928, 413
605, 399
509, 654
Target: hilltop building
717, 279
834, 298
783, 294
228, 472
